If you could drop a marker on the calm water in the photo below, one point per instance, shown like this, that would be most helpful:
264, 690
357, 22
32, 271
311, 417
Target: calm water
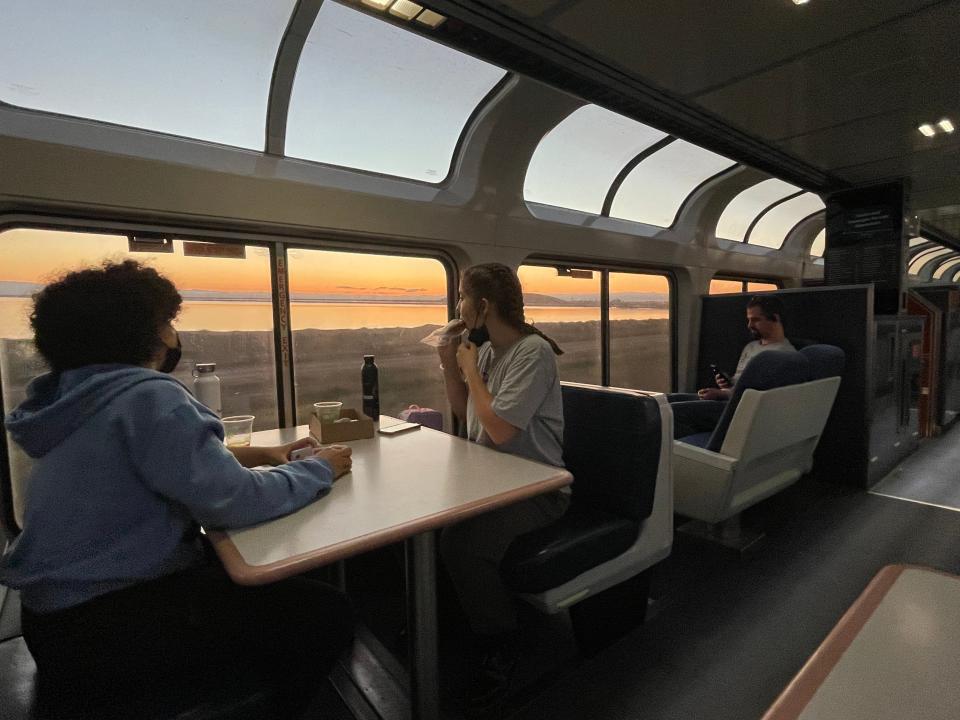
14, 314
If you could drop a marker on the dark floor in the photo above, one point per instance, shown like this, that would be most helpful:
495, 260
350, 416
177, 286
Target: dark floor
931, 475
730, 632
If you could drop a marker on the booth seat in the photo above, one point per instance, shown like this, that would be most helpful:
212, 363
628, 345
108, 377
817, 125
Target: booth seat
620, 522
766, 436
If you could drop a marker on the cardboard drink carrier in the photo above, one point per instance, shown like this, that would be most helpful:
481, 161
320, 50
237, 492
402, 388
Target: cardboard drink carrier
335, 432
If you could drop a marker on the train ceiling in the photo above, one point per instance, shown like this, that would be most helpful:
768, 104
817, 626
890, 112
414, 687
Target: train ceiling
825, 94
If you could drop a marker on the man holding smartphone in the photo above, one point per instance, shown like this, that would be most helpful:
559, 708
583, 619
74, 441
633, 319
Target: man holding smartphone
765, 322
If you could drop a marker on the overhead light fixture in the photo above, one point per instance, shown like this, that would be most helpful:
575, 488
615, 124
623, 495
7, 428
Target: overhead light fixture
946, 125
800, 2
927, 130
406, 10
430, 18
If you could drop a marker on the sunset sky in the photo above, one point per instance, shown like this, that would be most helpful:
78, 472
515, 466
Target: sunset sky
37, 256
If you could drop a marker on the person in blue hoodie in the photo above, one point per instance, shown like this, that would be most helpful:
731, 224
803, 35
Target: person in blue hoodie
124, 609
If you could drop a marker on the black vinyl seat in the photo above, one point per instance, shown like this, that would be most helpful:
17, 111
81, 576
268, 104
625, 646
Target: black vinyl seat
620, 522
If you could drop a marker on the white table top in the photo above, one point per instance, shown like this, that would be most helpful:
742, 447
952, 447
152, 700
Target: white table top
400, 485
895, 654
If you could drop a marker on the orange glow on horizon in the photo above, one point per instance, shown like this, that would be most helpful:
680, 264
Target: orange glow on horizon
40, 256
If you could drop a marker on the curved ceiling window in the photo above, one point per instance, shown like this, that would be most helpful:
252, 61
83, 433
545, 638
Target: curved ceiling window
819, 244
655, 189
774, 225
745, 207
575, 164
186, 67
926, 256
375, 97
914, 242
948, 269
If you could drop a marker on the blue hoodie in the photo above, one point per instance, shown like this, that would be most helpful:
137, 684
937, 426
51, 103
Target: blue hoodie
127, 463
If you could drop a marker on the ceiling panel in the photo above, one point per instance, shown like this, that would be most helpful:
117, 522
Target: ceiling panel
901, 67
689, 46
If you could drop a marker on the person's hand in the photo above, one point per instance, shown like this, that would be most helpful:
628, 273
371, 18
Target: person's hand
721, 381
711, 394
339, 458
280, 454
467, 356
448, 351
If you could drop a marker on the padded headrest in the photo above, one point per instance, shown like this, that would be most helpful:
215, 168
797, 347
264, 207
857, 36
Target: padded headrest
612, 445
825, 360
768, 370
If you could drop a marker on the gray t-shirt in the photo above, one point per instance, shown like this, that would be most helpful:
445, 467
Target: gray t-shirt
525, 385
752, 349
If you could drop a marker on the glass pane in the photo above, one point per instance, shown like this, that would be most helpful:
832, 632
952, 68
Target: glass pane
576, 163
773, 227
819, 244
947, 269
568, 310
195, 68
741, 211
640, 355
756, 287
372, 96
347, 305
656, 188
926, 256
725, 287
918, 241
226, 317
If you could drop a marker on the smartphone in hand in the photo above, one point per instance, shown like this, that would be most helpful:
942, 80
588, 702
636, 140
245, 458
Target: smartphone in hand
717, 371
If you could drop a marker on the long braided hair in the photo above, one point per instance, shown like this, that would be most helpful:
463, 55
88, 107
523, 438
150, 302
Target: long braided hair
501, 286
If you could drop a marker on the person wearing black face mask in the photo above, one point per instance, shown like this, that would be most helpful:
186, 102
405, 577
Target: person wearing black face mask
130, 466
502, 382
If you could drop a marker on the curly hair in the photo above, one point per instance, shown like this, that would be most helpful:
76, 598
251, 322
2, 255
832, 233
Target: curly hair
501, 286
107, 314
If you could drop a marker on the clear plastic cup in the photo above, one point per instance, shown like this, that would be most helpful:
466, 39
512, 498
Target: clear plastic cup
237, 430
327, 412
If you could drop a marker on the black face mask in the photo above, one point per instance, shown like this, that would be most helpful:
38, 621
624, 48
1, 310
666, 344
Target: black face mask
479, 335
172, 358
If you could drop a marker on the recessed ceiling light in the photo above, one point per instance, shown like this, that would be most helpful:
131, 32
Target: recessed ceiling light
430, 18
800, 2
927, 130
377, 4
946, 125
405, 9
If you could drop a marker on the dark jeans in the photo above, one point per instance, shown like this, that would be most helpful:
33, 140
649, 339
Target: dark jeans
691, 415
160, 646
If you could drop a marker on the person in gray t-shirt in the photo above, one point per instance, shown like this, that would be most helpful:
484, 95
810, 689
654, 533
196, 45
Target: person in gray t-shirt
765, 322
502, 381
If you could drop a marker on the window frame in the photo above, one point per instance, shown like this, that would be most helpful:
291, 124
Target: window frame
744, 280
554, 262
449, 268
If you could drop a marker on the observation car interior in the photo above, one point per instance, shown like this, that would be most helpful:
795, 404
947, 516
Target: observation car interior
313, 175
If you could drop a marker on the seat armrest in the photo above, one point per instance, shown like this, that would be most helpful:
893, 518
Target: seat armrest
698, 454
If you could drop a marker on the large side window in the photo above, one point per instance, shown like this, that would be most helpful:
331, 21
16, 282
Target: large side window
641, 354
226, 317
565, 304
344, 305
571, 306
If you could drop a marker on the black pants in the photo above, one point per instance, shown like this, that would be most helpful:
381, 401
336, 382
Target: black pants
160, 646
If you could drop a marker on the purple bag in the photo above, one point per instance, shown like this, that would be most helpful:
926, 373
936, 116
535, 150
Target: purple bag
427, 417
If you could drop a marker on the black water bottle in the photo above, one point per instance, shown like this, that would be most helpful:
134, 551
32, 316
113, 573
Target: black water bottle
370, 378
